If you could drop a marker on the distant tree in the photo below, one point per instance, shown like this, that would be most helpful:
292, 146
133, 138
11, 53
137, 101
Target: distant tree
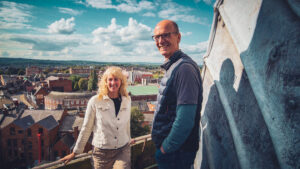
76, 86
74, 79
82, 84
137, 119
66, 71
11, 71
46, 71
93, 80
21, 72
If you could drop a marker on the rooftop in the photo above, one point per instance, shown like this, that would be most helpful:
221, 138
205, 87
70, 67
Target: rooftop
142, 90
70, 122
70, 95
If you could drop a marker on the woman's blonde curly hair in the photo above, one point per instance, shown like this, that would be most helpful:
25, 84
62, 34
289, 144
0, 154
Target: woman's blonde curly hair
116, 72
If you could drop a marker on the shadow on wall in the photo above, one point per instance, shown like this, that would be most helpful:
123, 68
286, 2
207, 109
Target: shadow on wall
228, 134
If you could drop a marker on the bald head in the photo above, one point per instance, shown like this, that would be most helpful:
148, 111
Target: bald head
168, 23
167, 37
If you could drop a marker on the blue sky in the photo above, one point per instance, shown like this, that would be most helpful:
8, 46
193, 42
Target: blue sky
100, 30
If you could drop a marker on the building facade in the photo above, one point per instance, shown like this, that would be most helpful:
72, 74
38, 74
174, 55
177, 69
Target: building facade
28, 139
33, 70
60, 100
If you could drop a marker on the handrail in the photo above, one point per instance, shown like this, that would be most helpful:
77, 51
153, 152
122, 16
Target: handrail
137, 140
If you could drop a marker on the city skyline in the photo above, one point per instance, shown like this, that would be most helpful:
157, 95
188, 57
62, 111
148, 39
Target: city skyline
96, 30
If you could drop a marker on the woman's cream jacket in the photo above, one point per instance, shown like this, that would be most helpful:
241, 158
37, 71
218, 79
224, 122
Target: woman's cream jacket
109, 131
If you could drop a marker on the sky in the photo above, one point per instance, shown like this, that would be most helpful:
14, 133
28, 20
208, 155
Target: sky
100, 30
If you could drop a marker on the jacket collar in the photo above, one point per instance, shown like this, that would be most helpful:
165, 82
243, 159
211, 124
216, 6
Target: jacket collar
124, 102
176, 56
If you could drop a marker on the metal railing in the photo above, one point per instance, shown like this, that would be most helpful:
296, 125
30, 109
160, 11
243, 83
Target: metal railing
58, 163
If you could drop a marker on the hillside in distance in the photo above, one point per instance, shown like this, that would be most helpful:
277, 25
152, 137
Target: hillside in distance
22, 62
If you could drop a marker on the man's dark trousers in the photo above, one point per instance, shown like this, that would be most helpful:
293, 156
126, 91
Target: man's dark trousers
175, 160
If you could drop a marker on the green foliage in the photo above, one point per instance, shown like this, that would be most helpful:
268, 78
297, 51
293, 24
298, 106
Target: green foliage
93, 80
66, 71
46, 71
142, 155
74, 79
11, 71
82, 84
137, 119
76, 86
21, 72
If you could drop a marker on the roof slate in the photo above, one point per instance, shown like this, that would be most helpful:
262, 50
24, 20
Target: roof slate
49, 123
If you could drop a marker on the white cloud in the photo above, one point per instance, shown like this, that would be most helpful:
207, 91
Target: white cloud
122, 36
128, 6
208, 2
62, 26
196, 51
43, 42
4, 54
186, 33
70, 11
149, 14
176, 12
127, 43
14, 15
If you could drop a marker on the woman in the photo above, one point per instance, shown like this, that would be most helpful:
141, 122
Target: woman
108, 117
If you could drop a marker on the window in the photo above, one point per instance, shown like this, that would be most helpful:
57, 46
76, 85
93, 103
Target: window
29, 145
9, 152
63, 153
15, 143
42, 142
55, 153
29, 132
20, 131
41, 131
9, 143
72, 102
12, 131
30, 156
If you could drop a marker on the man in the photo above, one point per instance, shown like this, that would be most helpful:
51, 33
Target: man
175, 129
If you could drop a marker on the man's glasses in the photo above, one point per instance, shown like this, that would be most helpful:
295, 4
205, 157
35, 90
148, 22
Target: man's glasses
163, 36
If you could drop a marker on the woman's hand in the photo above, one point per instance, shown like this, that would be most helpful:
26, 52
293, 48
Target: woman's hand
132, 141
68, 158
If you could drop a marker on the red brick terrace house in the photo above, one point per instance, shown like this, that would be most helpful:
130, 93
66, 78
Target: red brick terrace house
33, 70
69, 131
39, 94
63, 146
57, 100
30, 137
59, 84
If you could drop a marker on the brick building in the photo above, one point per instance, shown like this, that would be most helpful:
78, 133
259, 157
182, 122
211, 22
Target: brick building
57, 100
83, 72
29, 136
78, 71
39, 94
59, 84
33, 70
69, 131
146, 93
